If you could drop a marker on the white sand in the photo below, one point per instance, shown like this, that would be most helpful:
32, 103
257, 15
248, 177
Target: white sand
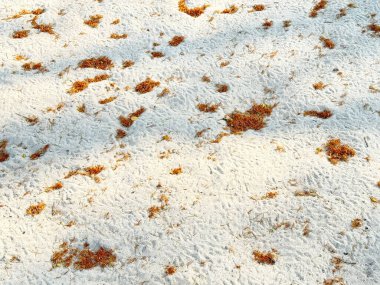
215, 218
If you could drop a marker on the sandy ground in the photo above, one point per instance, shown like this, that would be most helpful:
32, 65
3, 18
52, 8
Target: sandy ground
233, 197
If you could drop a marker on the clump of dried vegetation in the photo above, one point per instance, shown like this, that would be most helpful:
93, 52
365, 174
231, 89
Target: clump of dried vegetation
79, 86
94, 21
221, 88
325, 114
153, 211
132, 117
319, 85
257, 8
318, 7
230, 10
29, 66
82, 258
4, 155
91, 171
176, 171
39, 152
43, 28
156, 54
24, 12
193, 12
102, 62
20, 34
118, 36
327, 43
356, 223
267, 24
107, 100
120, 133
128, 63
170, 270
56, 186
252, 119
336, 151
176, 40
268, 257
208, 108
334, 281
36, 209
146, 86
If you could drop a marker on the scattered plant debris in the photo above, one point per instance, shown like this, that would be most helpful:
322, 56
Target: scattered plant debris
267, 24
29, 66
208, 108
269, 257
219, 137
56, 108
306, 193
91, 171
328, 43
164, 92
32, 120
230, 10
94, 21
156, 54
319, 85
118, 36
252, 119
39, 152
56, 186
4, 155
356, 223
79, 86
176, 40
120, 133
375, 28
132, 117
81, 108
257, 8
102, 62
43, 28
336, 151
206, 78
325, 114
36, 209
107, 100
128, 63
146, 86
319, 6
222, 88
334, 281
193, 12
35, 12
170, 270
286, 24
176, 171
115, 22
20, 34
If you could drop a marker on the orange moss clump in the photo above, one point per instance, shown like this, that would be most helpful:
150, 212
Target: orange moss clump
39, 152
334, 281
34, 210
267, 24
120, 133
43, 28
4, 155
91, 171
336, 151
193, 12
107, 100
128, 63
319, 6
132, 117
208, 108
79, 86
319, 85
170, 270
325, 114
34, 66
118, 36
94, 21
328, 43
374, 28
156, 54
176, 171
36, 12
153, 211
252, 119
356, 223
102, 62
265, 257
230, 10
56, 186
146, 86
257, 8
221, 88
176, 40
20, 34
84, 258
206, 78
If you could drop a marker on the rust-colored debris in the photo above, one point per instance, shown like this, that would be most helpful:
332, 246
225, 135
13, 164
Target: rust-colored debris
176, 171
208, 108
176, 40
107, 100
230, 10
319, 85
267, 24
222, 88
36, 209
325, 114
36, 12
39, 152
156, 54
118, 36
4, 155
170, 270
328, 43
79, 86
146, 86
306, 193
102, 62
56, 108
120, 133
43, 28
32, 120
334, 281
94, 21
82, 259
286, 24
132, 117
193, 12
257, 8
317, 7
29, 66
252, 119
375, 28
56, 186
128, 63
115, 22
356, 223
219, 137
336, 151
164, 92
206, 78
91, 171
20, 34
269, 257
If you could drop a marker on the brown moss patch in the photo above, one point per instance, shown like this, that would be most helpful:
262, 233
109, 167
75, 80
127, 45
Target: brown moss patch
257, 8
325, 114
36, 209
222, 88
29, 66
56, 186
4, 155
132, 117
102, 62
176, 40
146, 86
128, 63
193, 12
39, 152
107, 100
24, 12
319, 85
252, 119
94, 21
318, 7
82, 258
208, 108
118, 36
79, 86
20, 34
269, 257
327, 43
336, 151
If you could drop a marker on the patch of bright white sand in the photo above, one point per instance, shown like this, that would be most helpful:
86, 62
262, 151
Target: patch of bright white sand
211, 225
